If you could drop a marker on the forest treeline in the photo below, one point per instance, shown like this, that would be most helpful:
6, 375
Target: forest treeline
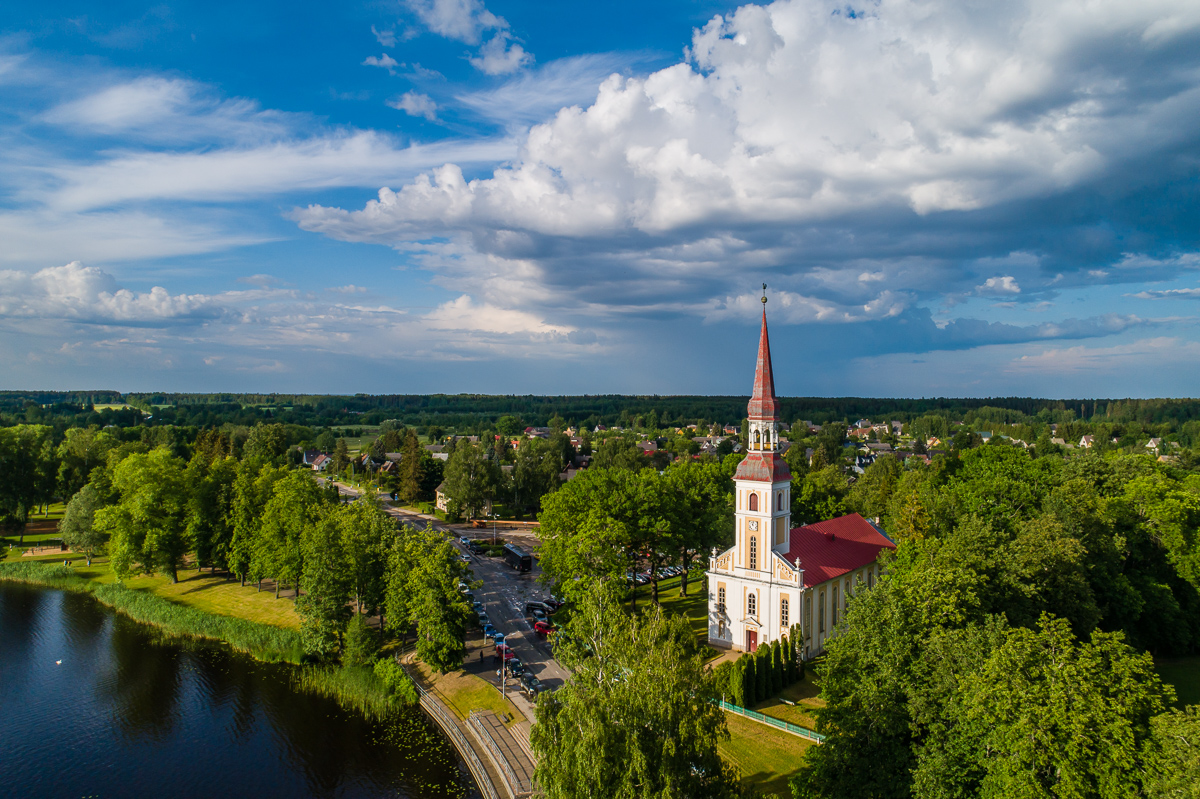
471, 413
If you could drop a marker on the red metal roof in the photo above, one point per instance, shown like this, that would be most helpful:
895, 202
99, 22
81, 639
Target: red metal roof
762, 401
834, 547
766, 467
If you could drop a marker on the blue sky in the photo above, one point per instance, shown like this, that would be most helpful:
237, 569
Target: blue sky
945, 198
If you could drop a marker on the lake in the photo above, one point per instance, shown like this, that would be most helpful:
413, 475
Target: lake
130, 713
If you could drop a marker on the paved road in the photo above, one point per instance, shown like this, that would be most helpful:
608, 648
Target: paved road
504, 594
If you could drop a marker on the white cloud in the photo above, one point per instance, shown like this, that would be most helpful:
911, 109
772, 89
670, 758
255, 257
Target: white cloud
461, 20
806, 133
1160, 351
385, 61
348, 289
1168, 293
387, 38
90, 295
999, 286
415, 104
464, 314
792, 308
168, 110
501, 56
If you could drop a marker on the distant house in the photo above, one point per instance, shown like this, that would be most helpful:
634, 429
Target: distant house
569, 474
441, 499
879, 448
933, 441
1154, 444
1059, 442
1087, 441
321, 462
438, 451
648, 447
897, 428
310, 455
986, 435
732, 430
861, 423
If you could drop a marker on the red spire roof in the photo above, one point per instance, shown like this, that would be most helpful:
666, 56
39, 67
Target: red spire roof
762, 402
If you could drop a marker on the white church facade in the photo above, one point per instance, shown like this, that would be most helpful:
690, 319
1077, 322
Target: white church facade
775, 576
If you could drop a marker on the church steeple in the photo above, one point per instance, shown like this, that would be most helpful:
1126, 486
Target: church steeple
762, 402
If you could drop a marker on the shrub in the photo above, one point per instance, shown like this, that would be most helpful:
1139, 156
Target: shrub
762, 673
749, 679
361, 642
396, 682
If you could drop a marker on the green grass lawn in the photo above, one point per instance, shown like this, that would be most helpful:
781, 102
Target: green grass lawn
766, 757
463, 693
803, 694
1184, 674
203, 591
694, 606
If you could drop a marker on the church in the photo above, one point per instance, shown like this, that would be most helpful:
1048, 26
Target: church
775, 575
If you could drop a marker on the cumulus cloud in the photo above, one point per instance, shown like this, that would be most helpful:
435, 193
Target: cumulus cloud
999, 286
385, 61
89, 295
1168, 294
1103, 360
800, 138
464, 314
415, 104
501, 56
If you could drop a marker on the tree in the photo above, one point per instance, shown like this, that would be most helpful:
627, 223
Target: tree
27, 463
535, 474
251, 490
212, 494
637, 717
703, 512
295, 505
470, 478
267, 442
77, 527
323, 608
422, 589
1062, 718
361, 642
367, 532
1171, 756
341, 456
147, 528
408, 483
81, 451
619, 453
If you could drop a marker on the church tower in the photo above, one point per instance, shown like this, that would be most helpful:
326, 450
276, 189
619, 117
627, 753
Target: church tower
763, 481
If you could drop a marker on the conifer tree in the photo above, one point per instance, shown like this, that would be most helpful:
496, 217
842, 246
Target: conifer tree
749, 680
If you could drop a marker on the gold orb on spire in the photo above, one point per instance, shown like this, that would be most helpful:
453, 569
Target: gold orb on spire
764, 297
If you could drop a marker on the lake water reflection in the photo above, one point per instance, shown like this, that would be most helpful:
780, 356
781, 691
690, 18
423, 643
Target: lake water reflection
128, 714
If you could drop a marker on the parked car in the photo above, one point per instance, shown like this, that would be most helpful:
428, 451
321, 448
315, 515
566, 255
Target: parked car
515, 668
534, 607
531, 685
466, 542
484, 620
477, 605
554, 602
489, 631
498, 638
539, 614
543, 627
475, 547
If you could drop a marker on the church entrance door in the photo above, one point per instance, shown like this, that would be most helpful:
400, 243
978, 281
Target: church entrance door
751, 640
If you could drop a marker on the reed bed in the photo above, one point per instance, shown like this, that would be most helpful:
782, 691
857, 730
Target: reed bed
260, 641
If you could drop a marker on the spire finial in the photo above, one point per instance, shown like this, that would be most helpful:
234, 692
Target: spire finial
764, 299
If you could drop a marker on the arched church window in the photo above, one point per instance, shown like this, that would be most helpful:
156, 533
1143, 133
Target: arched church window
754, 502
757, 437
753, 552
721, 599
779, 501
752, 605
783, 612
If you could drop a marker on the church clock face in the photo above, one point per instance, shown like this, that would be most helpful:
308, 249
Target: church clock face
753, 525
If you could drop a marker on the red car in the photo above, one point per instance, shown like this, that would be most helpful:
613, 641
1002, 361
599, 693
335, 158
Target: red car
543, 627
